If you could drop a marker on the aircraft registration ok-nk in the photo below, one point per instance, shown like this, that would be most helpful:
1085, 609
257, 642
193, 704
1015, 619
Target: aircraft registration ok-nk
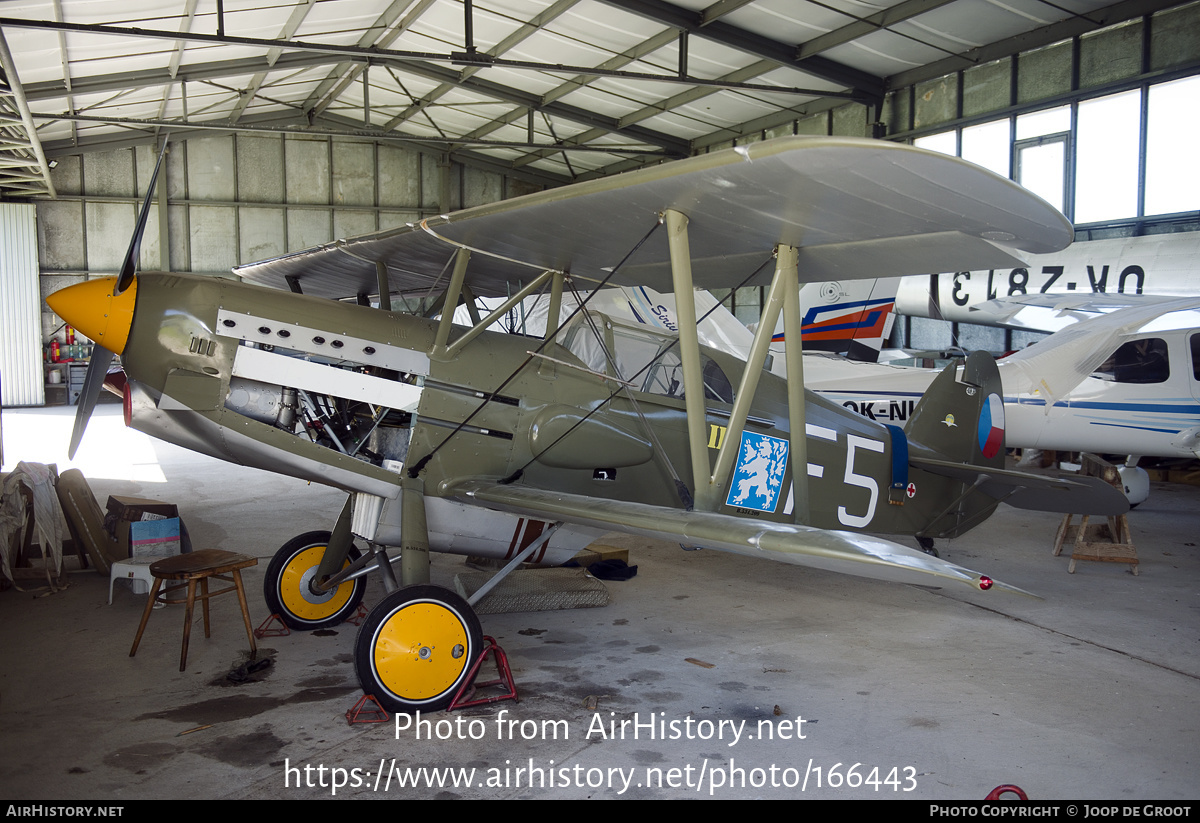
469, 441
1126, 382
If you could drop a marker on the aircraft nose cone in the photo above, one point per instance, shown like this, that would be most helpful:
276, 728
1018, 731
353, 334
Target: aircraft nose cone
92, 309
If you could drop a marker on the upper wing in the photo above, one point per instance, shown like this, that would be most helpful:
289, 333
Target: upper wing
837, 551
855, 208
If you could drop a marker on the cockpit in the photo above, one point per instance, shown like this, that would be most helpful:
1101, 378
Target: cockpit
644, 357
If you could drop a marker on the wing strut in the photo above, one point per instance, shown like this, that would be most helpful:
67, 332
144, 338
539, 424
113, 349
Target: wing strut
521, 557
556, 290
381, 281
689, 353
784, 294
451, 299
501, 310
793, 323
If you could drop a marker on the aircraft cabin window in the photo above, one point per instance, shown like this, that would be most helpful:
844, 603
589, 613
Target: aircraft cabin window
1194, 344
665, 376
1138, 361
647, 357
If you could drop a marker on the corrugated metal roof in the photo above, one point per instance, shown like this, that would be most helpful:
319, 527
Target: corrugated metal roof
534, 79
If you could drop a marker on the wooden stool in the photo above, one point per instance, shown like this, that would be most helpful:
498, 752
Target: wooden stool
193, 567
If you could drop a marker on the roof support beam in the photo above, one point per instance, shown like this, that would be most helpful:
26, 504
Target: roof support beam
654, 109
505, 45
866, 85
866, 25
647, 46
387, 29
721, 8
102, 83
288, 122
299, 12
1071, 27
674, 145
27, 124
224, 126
488, 88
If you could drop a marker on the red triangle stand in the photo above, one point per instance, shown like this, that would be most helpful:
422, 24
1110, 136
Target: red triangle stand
466, 693
367, 710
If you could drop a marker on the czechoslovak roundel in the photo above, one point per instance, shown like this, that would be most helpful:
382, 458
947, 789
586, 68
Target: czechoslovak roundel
991, 426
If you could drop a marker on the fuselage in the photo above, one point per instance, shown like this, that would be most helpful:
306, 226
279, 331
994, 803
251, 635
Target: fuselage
351, 396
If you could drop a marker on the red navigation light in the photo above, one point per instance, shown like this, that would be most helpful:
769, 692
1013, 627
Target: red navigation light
985, 583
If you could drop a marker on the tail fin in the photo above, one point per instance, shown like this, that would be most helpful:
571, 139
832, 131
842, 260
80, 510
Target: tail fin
852, 318
957, 431
961, 416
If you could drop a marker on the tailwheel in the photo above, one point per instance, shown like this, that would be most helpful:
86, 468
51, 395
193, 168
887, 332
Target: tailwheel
288, 591
416, 647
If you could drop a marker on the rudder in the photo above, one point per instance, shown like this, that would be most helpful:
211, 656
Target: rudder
961, 416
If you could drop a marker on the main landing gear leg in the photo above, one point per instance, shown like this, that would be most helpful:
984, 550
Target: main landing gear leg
414, 534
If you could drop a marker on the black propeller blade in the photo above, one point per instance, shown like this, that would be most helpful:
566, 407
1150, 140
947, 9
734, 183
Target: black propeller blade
97, 371
129, 267
102, 357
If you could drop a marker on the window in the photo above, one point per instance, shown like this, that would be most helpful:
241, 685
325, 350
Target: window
1042, 123
1194, 346
1106, 159
1108, 143
1172, 162
646, 357
1042, 168
989, 145
1041, 153
1138, 361
946, 142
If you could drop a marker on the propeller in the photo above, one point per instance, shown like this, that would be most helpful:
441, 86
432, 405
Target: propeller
129, 267
97, 370
85, 300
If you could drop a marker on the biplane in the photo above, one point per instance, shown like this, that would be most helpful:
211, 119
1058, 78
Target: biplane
464, 440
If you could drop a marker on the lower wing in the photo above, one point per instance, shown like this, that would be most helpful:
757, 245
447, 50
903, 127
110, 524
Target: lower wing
837, 551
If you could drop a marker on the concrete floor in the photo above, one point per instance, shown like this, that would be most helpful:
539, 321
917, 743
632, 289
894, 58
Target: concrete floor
1090, 693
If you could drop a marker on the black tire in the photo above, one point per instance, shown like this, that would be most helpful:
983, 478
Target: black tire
416, 648
286, 590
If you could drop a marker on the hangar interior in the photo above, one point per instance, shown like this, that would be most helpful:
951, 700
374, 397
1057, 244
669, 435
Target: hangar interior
282, 147
296, 123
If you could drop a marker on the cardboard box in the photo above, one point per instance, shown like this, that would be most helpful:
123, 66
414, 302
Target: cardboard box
154, 538
125, 511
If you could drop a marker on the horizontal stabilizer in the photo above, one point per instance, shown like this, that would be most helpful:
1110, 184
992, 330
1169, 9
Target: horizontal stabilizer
1035, 492
837, 551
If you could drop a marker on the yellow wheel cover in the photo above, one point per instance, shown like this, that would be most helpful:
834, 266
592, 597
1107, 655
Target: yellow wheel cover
293, 588
421, 651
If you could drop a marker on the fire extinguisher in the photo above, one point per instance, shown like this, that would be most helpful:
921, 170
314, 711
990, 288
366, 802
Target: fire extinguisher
70, 335
54, 351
